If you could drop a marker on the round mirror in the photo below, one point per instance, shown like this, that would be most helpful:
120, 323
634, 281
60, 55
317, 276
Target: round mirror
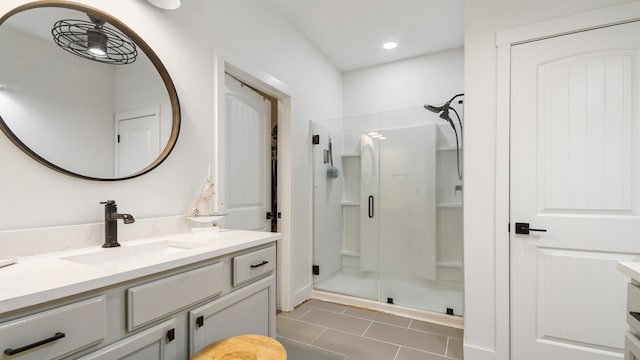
84, 95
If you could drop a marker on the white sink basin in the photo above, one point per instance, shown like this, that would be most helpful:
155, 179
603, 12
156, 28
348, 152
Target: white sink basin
137, 254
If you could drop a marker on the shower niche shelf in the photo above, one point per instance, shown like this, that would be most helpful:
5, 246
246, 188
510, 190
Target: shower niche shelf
350, 203
450, 204
350, 155
447, 148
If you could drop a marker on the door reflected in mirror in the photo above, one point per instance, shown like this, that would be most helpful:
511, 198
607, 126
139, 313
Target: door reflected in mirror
91, 119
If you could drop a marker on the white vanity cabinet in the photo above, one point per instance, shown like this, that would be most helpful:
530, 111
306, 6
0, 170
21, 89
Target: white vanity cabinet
166, 315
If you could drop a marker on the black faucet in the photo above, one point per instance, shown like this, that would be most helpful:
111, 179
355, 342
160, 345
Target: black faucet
111, 217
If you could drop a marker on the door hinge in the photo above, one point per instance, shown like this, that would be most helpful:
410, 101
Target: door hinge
315, 139
171, 334
509, 227
268, 215
315, 269
200, 321
118, 138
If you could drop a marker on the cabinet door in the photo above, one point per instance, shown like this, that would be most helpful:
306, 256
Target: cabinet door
154, 343
248, 310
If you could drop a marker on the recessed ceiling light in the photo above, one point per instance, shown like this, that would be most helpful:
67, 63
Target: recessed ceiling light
373, 133
389, 45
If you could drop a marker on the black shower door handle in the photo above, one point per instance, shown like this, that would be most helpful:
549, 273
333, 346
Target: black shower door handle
370, 206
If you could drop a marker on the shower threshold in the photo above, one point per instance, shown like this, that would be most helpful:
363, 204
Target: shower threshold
413, 313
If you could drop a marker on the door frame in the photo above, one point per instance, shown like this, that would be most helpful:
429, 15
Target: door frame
225, 61
590, 20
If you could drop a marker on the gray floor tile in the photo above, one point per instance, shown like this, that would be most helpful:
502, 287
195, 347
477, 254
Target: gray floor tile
413, 354
356, 347
299, 351
336, 321
378, 316
408, 337
325, 305
297, 330
454, 349
296, 313
436, 329
362, 334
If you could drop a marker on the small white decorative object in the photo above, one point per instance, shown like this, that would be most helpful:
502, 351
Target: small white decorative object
202, 210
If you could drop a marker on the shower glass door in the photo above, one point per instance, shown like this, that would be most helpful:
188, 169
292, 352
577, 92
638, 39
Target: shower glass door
345, 223
388, 227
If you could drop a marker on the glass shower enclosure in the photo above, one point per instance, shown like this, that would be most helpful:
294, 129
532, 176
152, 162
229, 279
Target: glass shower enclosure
388, 210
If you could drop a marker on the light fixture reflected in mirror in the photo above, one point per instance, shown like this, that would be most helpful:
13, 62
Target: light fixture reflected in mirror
166, 4
94, 40
97, 43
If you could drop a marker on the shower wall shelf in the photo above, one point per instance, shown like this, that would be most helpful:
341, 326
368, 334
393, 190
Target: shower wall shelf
349, 253
450, 264
453, 204
350, 154
447, 148
350, 203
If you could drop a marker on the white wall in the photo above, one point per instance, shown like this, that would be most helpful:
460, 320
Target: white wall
482, 20
428, 79
249, 28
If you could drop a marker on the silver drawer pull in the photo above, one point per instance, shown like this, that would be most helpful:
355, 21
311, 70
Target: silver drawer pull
263, 263
55, 337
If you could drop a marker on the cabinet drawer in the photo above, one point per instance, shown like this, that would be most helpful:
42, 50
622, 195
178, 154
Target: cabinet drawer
152, 301
633, 305
56, 332
253, 265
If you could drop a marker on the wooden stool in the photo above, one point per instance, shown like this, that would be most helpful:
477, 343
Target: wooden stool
243, 347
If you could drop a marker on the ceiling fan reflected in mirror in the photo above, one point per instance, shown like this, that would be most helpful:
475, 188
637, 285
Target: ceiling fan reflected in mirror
94, 40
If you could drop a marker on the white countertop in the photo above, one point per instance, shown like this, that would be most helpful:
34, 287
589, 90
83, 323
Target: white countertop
37, 279
630, 268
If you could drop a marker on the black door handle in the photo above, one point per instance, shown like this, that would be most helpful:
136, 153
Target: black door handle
523, 228
370, 206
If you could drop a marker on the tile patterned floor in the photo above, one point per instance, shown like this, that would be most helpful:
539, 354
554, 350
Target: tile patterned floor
318, 330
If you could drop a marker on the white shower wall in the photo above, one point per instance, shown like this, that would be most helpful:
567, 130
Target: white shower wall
382, 229
412, 83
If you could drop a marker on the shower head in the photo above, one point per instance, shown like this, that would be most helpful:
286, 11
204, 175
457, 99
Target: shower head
434, 109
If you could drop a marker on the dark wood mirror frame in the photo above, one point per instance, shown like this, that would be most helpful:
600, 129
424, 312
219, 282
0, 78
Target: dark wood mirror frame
162, 71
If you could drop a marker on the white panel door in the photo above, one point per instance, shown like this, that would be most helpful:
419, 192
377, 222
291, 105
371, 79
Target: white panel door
574, 172
137, 139
248, 158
